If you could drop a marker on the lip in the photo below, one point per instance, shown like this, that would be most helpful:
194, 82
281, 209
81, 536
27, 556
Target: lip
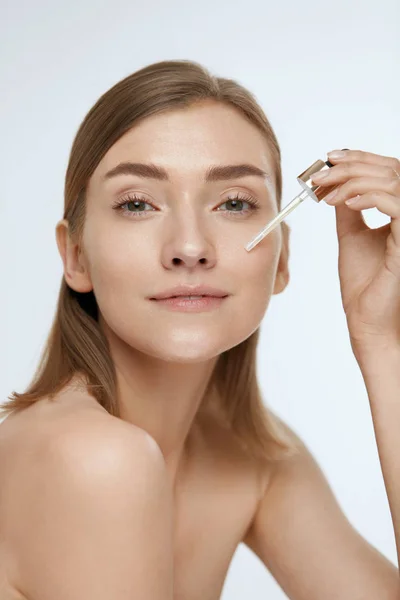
204, 304
186, 290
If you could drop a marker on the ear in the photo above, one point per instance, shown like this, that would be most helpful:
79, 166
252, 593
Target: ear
282, 274
75, 270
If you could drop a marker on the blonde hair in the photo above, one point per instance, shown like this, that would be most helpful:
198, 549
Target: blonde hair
76, 344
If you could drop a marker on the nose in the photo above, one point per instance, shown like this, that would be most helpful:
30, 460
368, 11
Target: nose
190, 256
189, 261
189, 249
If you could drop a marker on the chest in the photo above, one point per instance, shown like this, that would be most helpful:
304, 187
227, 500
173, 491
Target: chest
214, 506
212, 516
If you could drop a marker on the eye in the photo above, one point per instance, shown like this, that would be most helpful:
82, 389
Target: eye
239, 200
134, 202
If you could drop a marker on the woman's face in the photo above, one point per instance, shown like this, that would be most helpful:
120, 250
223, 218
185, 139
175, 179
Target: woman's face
183, 231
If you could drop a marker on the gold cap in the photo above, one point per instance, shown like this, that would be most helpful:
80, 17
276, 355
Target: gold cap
316, 192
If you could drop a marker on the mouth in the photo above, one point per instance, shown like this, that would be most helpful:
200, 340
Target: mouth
191, 303
189, 297
194, 297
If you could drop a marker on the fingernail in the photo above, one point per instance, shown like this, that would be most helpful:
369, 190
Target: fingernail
336, 154
352, 200
331, 196
320, 175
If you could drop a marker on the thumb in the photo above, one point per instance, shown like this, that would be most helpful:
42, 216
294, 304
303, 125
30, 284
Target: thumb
348, 220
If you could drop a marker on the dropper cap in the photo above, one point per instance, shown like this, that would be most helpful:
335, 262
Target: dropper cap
315, 191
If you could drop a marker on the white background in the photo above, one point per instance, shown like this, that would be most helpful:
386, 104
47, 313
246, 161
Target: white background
327, 76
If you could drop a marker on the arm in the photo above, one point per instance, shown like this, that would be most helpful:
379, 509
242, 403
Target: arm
96, 520
381, 373
308, 544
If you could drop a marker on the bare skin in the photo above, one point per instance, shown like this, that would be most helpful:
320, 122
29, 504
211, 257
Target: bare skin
181, 231
202, 492
214, 468
163, 359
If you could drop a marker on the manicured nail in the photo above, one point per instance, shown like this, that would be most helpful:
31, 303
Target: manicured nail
352, 200
320, 175
336, 154
330, 196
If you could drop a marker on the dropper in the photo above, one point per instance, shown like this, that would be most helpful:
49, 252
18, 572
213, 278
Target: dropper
310, 190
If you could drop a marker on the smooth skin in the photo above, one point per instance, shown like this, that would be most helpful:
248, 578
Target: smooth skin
180, 231
99, 521
101, 513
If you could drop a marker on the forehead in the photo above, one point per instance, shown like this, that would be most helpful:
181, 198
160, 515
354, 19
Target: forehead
191, 139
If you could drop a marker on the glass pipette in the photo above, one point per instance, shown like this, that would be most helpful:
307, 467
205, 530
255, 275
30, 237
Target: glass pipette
310, 190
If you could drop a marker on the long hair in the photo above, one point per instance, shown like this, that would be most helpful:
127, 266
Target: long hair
76, 344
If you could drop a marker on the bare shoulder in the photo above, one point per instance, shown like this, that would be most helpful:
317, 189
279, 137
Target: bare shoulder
78, 477
73, 433
69, 421
94, 444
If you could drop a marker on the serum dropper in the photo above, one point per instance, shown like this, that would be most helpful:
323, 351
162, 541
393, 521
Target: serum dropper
310, 190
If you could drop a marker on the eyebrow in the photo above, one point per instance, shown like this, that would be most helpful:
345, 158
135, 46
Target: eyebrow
213, 173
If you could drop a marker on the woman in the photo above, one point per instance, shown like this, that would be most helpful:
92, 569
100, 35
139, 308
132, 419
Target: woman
142, 453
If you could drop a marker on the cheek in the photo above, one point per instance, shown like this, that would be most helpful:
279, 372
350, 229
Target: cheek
121, 274
118, 266
259, 284
259, 266
252, 279
120, 282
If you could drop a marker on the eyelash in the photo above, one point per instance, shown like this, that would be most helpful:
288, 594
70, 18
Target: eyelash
254, 204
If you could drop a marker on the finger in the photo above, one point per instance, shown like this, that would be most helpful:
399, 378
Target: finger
348, 170
386, 203
369, 158
349, 221
364, 185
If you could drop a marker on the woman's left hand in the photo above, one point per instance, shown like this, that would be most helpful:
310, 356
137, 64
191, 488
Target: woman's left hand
369, 259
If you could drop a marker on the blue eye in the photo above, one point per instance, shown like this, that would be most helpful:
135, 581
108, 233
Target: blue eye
134, 202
